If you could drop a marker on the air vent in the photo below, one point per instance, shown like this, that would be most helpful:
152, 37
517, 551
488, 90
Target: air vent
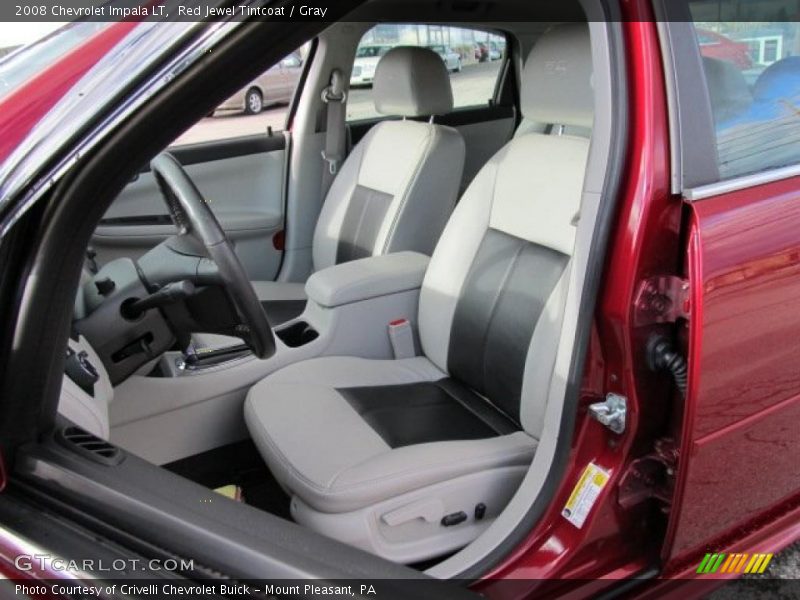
91, 446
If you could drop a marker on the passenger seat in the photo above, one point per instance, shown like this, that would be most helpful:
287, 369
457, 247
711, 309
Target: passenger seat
397, 187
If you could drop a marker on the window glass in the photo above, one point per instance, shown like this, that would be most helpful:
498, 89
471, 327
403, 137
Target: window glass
753, 73
262, 103
472, 56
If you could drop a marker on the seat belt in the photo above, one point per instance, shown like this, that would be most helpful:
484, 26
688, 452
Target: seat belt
333, 155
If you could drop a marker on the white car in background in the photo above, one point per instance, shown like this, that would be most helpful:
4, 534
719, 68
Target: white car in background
495, 51
451, 58
367, 58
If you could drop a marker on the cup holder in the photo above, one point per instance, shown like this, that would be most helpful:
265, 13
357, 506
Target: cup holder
299, 334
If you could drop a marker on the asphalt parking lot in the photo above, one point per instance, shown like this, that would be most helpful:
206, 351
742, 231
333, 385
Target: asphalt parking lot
779, 582
474, 85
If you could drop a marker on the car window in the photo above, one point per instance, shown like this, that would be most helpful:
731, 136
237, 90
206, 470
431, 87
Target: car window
473, 57
262, 103
753, 74
369, 51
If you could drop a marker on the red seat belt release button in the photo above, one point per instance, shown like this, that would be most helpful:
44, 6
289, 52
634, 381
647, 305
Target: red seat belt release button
401, 337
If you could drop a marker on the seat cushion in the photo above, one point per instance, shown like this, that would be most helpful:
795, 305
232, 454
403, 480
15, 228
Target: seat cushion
333, 430
428, 411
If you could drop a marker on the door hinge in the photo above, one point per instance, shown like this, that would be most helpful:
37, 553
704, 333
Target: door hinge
662, 299
651, 476
611, 412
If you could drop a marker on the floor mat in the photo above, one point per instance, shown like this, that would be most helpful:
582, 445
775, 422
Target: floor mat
238, 465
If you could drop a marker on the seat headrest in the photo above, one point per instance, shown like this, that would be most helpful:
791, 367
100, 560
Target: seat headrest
412, 82
557, 78
727, 89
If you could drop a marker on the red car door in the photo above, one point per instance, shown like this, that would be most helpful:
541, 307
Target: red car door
737, 478
741, 443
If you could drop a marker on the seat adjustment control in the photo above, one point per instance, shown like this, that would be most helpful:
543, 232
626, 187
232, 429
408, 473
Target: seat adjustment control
454, 518
480, 511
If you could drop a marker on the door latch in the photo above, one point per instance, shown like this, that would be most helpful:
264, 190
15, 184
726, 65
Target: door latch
611, 412
662, 299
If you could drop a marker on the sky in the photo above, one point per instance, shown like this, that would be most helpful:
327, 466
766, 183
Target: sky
14, 34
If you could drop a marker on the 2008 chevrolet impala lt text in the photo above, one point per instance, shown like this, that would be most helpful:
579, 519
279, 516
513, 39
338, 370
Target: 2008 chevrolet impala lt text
400, 299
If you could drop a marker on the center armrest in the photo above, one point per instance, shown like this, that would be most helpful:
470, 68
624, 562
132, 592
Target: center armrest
367, 278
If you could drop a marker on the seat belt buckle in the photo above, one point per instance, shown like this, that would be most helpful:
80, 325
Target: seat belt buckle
401, 336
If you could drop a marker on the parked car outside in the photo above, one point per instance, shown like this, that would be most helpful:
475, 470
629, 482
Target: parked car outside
495, 51
451, 58
367, 58
481, 52
716, 45
275, 86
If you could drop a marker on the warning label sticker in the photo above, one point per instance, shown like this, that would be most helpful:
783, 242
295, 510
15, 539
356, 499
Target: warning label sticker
585, 494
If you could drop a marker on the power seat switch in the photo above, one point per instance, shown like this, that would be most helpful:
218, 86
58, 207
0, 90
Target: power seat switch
454, 518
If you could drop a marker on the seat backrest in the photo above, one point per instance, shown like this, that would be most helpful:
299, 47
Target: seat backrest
398, 186
492, 301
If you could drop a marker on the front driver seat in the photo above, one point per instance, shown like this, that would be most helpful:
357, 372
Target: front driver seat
397, 187
413, 458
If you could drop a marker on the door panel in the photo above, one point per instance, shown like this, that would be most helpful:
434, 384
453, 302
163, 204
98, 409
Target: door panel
743, 403
242, 180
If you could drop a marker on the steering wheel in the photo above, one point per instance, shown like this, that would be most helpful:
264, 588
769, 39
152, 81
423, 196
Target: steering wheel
194, 219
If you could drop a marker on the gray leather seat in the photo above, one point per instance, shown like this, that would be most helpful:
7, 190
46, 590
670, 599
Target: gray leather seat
399, 184
377, 453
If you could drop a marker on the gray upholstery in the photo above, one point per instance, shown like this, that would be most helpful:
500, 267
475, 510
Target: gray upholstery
491, 305
333, 459
367, 278
558, 65
412, 171
399, 184
563, 91
412, 82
